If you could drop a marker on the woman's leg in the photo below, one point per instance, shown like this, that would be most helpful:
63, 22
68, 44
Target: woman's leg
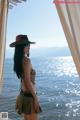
34, 116
31, 117
26, 117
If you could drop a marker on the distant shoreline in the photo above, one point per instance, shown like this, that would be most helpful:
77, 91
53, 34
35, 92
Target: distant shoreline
44, 52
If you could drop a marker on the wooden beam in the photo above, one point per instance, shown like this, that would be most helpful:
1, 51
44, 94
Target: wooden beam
13, 3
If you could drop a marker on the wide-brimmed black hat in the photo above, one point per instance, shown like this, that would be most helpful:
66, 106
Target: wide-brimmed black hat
21, 39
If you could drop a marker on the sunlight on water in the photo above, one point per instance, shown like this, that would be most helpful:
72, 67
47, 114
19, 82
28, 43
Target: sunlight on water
61, 66
72, 108
61, 86
66, 67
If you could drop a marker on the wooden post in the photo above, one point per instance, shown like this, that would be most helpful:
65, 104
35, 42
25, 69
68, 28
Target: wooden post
3, 24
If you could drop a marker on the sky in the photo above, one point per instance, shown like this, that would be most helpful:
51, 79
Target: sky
39, 20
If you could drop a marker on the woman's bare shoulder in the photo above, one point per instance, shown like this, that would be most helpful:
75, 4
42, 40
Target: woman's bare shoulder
26, 61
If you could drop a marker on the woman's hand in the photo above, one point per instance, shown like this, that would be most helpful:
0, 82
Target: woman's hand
36, 104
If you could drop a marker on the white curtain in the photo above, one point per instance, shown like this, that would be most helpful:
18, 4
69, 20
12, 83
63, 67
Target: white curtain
3, 20
70, 19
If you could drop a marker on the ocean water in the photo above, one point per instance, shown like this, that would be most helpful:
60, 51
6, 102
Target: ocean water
57, 84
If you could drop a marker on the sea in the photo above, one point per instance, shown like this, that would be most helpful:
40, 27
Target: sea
57, 86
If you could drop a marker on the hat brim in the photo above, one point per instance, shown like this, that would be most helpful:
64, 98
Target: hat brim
14, 44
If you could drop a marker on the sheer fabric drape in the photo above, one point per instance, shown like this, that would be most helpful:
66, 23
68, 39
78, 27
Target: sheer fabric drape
3, 20
70, 19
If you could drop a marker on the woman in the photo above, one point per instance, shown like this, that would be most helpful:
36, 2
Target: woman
26, 102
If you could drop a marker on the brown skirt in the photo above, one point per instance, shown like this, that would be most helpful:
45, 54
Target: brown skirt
25, 104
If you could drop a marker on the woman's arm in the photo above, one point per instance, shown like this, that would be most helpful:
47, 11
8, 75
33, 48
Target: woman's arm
27, 77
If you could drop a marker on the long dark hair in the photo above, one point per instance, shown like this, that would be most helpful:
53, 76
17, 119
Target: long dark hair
18, 56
